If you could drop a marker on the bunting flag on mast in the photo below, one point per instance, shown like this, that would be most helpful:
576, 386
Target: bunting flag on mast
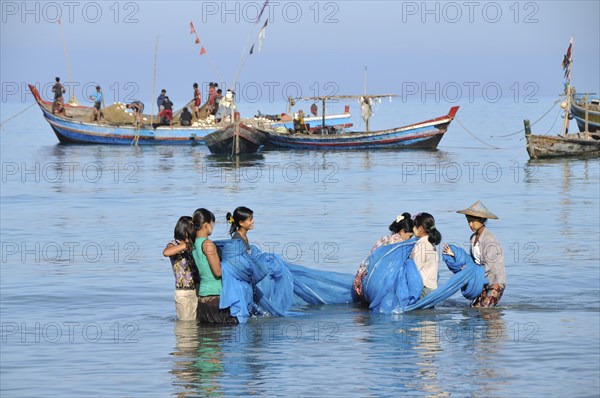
261, 11
197, 41
567, 60
261, 34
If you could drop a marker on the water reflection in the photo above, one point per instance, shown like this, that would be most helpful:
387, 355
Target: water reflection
220, 360
426, 352
485, 330
197, 362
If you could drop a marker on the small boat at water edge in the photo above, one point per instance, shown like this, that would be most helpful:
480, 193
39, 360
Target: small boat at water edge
423, 135
586, 143
235, 139
547, 146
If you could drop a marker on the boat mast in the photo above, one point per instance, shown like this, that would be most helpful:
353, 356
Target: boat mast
323, 105
235, 148
365, 80
365, 92
72, 100
154, 82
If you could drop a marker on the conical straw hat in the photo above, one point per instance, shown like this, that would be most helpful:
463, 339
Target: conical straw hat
477, 209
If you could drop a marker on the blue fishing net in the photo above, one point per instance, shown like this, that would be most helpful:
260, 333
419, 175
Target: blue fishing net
263, 284
393, 283
393, 280
259, 283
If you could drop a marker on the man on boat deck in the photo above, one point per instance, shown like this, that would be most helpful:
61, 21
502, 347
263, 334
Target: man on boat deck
218, 97
161, 98
58, 89
197, 101
138, 108
166, 114
97, 98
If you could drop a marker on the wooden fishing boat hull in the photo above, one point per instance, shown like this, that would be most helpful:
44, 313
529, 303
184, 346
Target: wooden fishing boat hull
546, 146
424, 135
73, 131
221, 142
578, 112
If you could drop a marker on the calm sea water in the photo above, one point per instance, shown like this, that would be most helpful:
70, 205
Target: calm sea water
87, 298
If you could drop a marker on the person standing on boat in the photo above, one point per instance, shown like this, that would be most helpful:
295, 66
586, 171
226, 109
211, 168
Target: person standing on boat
209, 266
218, 97
197, 101
485, 251
97, 98
242, 221
161, 98
424, 253
402, 230
212, 92
138, 109
184, 267
58, 89
166, 114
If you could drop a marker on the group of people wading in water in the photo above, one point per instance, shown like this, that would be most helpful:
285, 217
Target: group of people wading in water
197, 266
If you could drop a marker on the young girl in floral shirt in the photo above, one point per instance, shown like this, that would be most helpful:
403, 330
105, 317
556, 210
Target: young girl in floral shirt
185, 271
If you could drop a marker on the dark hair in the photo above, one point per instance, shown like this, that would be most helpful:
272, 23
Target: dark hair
475, 218
57, 79
195, 85
97, 87
240, 214
185, 109
184, 230
427, 221
219, 91
201, 216
163, 91
405, 224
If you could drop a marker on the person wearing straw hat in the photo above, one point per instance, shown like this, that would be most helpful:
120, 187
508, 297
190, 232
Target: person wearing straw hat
487, 252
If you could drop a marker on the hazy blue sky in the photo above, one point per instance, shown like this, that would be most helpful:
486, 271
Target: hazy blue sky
420, 50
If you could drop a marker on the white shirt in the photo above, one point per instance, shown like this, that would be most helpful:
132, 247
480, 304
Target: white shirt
426, 258
476, 250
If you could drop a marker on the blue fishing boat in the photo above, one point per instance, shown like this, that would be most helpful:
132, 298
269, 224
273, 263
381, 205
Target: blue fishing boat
74, 126
586, 112
423, 135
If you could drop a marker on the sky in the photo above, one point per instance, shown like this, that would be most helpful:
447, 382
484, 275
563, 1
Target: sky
422, 51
